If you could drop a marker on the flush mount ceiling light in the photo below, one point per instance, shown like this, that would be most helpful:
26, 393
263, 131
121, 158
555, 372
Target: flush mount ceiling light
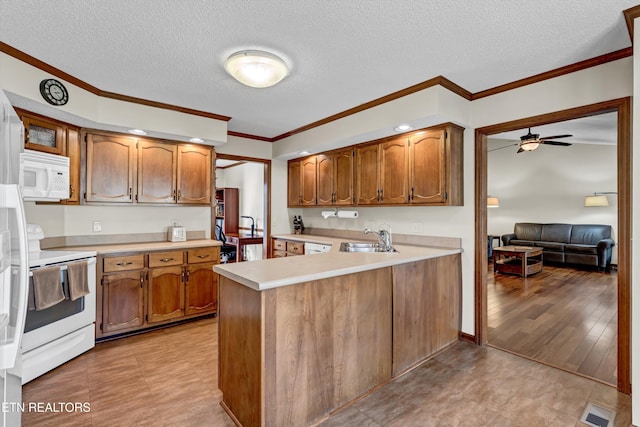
256, 68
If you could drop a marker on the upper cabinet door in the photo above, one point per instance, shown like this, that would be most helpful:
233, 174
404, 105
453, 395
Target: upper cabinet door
427, 167
367, 187
394, 167
294, 184
325, 170
343, 178
110, 168
194, 174
157, 165
44, 135
308, 166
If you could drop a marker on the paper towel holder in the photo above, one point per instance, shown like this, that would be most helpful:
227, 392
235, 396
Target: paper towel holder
339, 214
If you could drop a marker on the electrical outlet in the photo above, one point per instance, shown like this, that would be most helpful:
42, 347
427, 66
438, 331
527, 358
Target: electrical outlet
97, 226
417, 227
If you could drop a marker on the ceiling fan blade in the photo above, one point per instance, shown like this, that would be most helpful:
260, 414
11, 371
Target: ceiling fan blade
554, 137
563, 144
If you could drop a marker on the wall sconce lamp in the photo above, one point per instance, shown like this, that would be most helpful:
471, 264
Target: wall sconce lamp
493, 202
597, 199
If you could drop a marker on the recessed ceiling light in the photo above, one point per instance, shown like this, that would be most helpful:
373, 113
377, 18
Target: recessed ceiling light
196, 140
256, 68
304, 153
402, 128
137, 131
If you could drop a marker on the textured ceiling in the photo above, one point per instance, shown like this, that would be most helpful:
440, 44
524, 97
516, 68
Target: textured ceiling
342, 53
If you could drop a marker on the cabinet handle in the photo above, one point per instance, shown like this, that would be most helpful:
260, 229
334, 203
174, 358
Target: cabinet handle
203, 256
174, 196
124, 263
166, 259
71, 190
179, 195
411, 196
130, 193
141, 280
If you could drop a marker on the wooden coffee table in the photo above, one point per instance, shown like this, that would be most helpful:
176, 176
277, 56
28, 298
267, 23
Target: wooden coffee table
521, 260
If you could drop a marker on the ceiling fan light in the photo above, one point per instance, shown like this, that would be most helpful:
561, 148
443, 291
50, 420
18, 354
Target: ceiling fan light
256, 68
529, 146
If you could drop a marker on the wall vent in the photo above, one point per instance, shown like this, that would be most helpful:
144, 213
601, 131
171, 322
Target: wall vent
597, 416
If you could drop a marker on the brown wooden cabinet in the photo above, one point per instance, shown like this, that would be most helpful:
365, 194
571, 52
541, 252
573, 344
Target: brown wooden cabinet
43, 134
140, 290
201, 285
302, 182
282, 248
157, 166
122, 293
294, 184
335, 178
110, 171
423, 167
74, 154
381, 173
435, 166
123, 169
193, 177
165, 286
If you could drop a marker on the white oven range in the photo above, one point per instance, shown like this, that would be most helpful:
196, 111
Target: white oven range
59, 333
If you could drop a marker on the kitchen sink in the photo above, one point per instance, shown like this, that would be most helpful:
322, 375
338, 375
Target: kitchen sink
361, 247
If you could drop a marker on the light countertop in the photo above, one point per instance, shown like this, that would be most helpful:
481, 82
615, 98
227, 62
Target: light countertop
275, 272
146, 246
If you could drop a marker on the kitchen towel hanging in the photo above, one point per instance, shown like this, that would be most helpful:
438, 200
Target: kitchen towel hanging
78, 279
47, 288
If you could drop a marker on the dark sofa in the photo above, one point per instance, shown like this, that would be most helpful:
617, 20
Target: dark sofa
582, 244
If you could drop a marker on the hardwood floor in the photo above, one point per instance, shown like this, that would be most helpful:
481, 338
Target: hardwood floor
562, 316
169, 378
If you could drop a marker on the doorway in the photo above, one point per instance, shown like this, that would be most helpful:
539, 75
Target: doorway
261, 221
623, 109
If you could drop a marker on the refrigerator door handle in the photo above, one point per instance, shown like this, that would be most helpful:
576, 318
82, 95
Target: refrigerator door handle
11, 348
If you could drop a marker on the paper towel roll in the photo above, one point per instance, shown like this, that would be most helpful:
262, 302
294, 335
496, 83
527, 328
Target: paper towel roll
327, 214
347, 214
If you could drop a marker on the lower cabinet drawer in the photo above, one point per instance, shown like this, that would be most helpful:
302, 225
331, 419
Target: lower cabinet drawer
165, 259
279, 245
123, 263
198, 255
279, 254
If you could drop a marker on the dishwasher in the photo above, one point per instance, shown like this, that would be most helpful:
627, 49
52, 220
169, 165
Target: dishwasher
316, 248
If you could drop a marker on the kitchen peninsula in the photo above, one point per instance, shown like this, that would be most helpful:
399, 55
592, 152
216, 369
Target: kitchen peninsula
300, 337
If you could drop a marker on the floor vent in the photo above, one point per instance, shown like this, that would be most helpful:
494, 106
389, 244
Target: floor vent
597, 416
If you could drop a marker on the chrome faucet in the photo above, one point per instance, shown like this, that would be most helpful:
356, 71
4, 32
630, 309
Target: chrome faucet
384, 238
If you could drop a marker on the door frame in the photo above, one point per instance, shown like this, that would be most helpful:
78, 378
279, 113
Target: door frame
266, 240
624, 162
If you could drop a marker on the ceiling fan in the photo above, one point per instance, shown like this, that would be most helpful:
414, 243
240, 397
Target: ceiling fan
531, 141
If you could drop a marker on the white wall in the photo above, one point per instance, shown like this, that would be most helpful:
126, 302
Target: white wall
549, 184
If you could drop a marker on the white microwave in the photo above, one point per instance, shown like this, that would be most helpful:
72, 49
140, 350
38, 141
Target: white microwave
43, 176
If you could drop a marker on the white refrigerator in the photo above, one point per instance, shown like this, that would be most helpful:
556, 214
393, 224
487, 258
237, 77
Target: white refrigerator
14, 266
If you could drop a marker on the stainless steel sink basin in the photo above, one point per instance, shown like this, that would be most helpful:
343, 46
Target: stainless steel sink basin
361, 247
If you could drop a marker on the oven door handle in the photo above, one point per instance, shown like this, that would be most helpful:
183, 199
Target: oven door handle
9, 350
63, 267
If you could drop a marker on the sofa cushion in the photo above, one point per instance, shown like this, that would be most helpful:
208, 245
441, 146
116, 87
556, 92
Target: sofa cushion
589, 234
556, 233
527, 231
553, 256
583, 249
551, 246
